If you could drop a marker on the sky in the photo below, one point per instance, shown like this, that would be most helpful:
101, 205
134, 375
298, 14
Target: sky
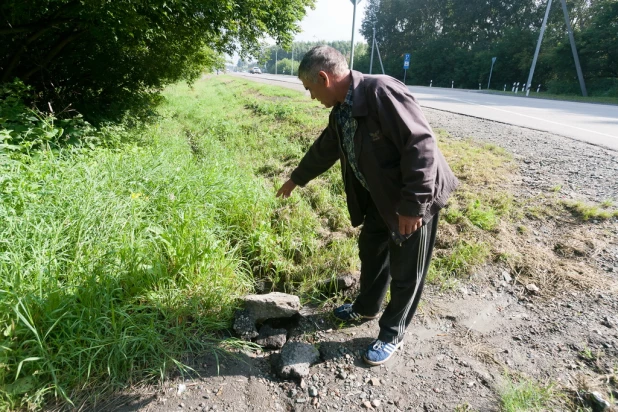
331, 20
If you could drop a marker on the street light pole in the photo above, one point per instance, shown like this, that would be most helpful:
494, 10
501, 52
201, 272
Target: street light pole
354, 2
373, 43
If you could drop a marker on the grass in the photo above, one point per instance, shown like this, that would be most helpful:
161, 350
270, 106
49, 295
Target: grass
587, 211
459, 261
116, 262
475, 211
527, 395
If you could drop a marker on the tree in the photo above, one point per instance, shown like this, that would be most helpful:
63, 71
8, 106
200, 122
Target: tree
112, 55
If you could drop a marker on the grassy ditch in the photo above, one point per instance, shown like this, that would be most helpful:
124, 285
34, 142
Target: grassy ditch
114, 262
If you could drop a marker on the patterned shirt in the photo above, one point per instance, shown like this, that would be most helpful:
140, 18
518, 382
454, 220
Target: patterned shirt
348, 124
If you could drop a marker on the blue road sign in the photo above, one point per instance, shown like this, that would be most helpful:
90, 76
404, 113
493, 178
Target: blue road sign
406, 61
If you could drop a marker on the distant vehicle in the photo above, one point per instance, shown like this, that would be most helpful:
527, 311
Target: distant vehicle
255, 70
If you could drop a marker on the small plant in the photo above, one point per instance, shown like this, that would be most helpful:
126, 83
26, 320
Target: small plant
587, 354
527, 395
556, 188
465, 407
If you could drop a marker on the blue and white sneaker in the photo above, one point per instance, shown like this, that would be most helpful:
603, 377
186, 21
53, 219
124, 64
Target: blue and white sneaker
379, 352
346, 313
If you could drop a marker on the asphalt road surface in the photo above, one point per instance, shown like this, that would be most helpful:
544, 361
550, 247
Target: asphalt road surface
588, 122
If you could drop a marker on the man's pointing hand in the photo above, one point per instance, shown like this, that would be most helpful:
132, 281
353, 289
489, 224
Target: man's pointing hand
286, 190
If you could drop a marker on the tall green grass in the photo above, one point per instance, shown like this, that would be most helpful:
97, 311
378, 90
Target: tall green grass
115, 262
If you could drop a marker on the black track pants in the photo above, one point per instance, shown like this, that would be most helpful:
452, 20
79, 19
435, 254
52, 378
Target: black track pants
404, 267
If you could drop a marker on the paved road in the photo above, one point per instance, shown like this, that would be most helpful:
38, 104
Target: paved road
592, 123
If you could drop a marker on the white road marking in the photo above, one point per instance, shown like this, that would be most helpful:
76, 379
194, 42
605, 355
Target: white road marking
531, 117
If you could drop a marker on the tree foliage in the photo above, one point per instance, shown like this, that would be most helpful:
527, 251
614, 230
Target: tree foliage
455, 41
105, 56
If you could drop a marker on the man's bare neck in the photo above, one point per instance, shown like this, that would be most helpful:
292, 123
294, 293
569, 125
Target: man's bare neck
342, 86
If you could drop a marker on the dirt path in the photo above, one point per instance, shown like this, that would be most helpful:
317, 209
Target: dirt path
465, 344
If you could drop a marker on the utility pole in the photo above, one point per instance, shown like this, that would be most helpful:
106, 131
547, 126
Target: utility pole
538, 44
493, 60
276, 60
354, 2
292, 58
380, 57
578, 68
373, 43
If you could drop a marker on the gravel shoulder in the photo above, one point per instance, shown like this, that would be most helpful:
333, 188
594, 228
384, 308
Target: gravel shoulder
463, 343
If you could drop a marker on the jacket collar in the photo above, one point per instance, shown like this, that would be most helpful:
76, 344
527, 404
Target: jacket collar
359, 103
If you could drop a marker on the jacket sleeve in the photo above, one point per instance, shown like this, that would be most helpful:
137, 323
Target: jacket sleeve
405, 125
320, 157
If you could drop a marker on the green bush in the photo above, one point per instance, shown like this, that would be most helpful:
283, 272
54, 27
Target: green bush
26, 128
606, 87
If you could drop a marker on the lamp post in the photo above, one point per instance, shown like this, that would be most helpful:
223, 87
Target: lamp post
354, 2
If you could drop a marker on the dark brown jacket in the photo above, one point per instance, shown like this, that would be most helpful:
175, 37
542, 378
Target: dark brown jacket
396, 153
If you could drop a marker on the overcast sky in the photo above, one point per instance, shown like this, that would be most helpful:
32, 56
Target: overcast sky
331, 20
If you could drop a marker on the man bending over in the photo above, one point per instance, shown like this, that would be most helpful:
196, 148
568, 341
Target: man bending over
396, 181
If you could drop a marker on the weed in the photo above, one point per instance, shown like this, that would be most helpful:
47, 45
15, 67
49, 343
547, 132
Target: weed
465, 407
526, 395
587, 354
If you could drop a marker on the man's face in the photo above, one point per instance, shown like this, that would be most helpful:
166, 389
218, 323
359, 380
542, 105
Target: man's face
322, 90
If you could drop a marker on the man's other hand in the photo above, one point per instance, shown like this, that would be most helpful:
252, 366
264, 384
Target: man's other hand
409, 224
286, 190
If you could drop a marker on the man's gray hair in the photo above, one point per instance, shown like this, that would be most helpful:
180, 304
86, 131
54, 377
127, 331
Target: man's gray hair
322, 58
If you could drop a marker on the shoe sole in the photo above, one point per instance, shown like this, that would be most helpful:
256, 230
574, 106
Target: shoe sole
357, 319
374, 363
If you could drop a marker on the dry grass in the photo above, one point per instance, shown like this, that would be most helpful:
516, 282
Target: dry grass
582, 385
475, 345
537, 238
553, 269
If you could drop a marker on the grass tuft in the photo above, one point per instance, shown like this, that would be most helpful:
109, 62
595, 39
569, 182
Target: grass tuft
587, 211
527, 395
